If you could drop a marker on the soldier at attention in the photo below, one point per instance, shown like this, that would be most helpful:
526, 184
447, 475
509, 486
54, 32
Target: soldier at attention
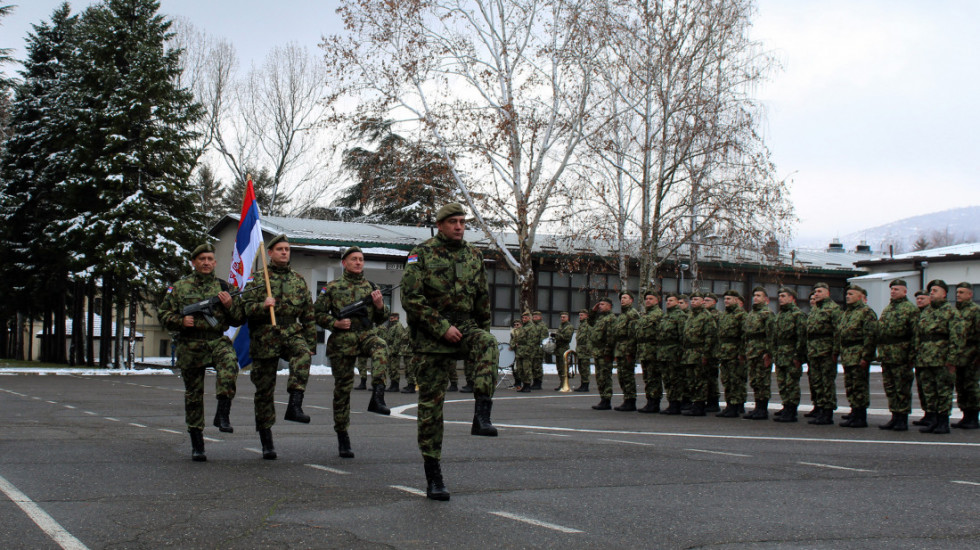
895, 329
583, 350
563, 337
446, 298
789, 353
351, 337
200, 345
857, 332
935, 357
292, 338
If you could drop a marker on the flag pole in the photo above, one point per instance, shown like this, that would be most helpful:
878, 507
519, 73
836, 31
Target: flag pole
265, 274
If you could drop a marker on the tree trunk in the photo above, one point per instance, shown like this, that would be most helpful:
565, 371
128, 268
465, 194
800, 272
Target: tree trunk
105, 334
117, 343
90, 333
131, 348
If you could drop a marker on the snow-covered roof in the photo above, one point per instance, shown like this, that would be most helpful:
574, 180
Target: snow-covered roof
953, 252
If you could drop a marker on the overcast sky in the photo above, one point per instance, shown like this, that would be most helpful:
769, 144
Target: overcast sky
873, 114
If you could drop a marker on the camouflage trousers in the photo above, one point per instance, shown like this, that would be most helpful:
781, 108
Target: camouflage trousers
653, 379
432, 376
968, 387
626, 373
760, 378
603, 376
584, 365
937, 385
918, 389
734, 377
822, 374
537, 366
342, 367
696, 375
788, 381
857, 386
675, 381
366, 365
712, 374
522, 370
263, 375
401, 363
897, 380
193, 357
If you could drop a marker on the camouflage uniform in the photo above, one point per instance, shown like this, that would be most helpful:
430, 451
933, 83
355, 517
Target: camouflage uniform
625, 351
789, 352
730, 352
203, 345
399, 351
669, 353
345, 346
292, 338
525, 342
821, 348
933, 353
603, 344
539, 331
714, 366
758, 343
445, 285
967, 359
647, 340
583, 350
700, 336
895, 328
563, 337
857, 333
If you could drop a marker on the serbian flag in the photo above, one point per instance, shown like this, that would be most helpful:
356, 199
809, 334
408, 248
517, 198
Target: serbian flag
247, 243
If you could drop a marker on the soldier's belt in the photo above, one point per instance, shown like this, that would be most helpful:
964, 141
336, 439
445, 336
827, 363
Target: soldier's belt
730, 339
893, 341
933, 337
852, 342
456, 317
757, 336
819, 336
198, 334
280, 321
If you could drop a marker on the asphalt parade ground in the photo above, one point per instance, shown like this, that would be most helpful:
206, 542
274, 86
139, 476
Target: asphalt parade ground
104, 462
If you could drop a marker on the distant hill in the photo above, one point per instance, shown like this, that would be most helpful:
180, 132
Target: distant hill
956, 225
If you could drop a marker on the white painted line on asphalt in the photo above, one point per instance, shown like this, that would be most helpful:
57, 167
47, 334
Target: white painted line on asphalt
35, 398
327, 469
165, 430
408, 490
552, 435
254, 450
90, 413
137, 425
69, 406
53, 402
47, 523
832, 467
212, 440
717, 453
967, 482
628, 442
111, 419
535, 522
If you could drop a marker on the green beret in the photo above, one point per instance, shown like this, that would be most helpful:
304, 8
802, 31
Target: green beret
206, 247
966, 285
711, 295
760, 288
527, 313
450, 210
652, 291
938, 282
787, 290
394, 314
697, 294
607, 300
897, 282
683, 297
674, 295
564, 313
821, 285
350, 251
280, 238
857, 288
585, 311
921, 293
733, 292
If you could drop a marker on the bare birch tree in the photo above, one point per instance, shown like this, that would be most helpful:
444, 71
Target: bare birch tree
503, 87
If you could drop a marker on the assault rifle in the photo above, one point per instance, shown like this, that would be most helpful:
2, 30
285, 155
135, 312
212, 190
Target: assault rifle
206, 307
359, 308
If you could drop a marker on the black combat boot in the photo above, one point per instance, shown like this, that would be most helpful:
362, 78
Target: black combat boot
673, 407
859, 418
789, 414
826, 417
760, 412
394, 385
651, 407
846, 418
584, 387
779, 413
294, 410
197, 445
712, 406
969, 421
468, 388
377, 403
629, 405
268, 449
481, 417
525, 387
453, 387
814, 412
731, 411
435, 489
927, 420
410, 388
697, 409
890, 425
602, 405
941, 426
536, 385
343, 445
221, 420
901, 423
363, 385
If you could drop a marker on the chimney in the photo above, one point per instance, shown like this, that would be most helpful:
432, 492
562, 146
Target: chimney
863, 248
835, 246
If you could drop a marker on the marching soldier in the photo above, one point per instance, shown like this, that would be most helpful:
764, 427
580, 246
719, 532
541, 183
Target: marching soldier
789, 353
625, 351
669, 352
647, 338
447, 302
603, 345
895, 328
396, 336
583, 350
700, 333
967, 343
199, 344
758, 352
821, 350
352, 337
935, 356
857, 332
563, 337
731, 354
292, 338
922, 301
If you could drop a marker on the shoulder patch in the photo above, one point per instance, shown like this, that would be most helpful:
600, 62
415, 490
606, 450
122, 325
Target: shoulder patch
323, 290
170, 289
412, 259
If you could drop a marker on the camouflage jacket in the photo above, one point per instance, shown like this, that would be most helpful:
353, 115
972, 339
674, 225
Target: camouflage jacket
731, 334
624, 333
583, 344
789, 335
821, 328
444, 285
396, 336
335, 296
700, 335
647, 334
294, 311
603, 340
931, 340
671, 335
563, 336
194, 288
895, 328
967, 334
540, 332
758, 331
857, 334
526, 343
